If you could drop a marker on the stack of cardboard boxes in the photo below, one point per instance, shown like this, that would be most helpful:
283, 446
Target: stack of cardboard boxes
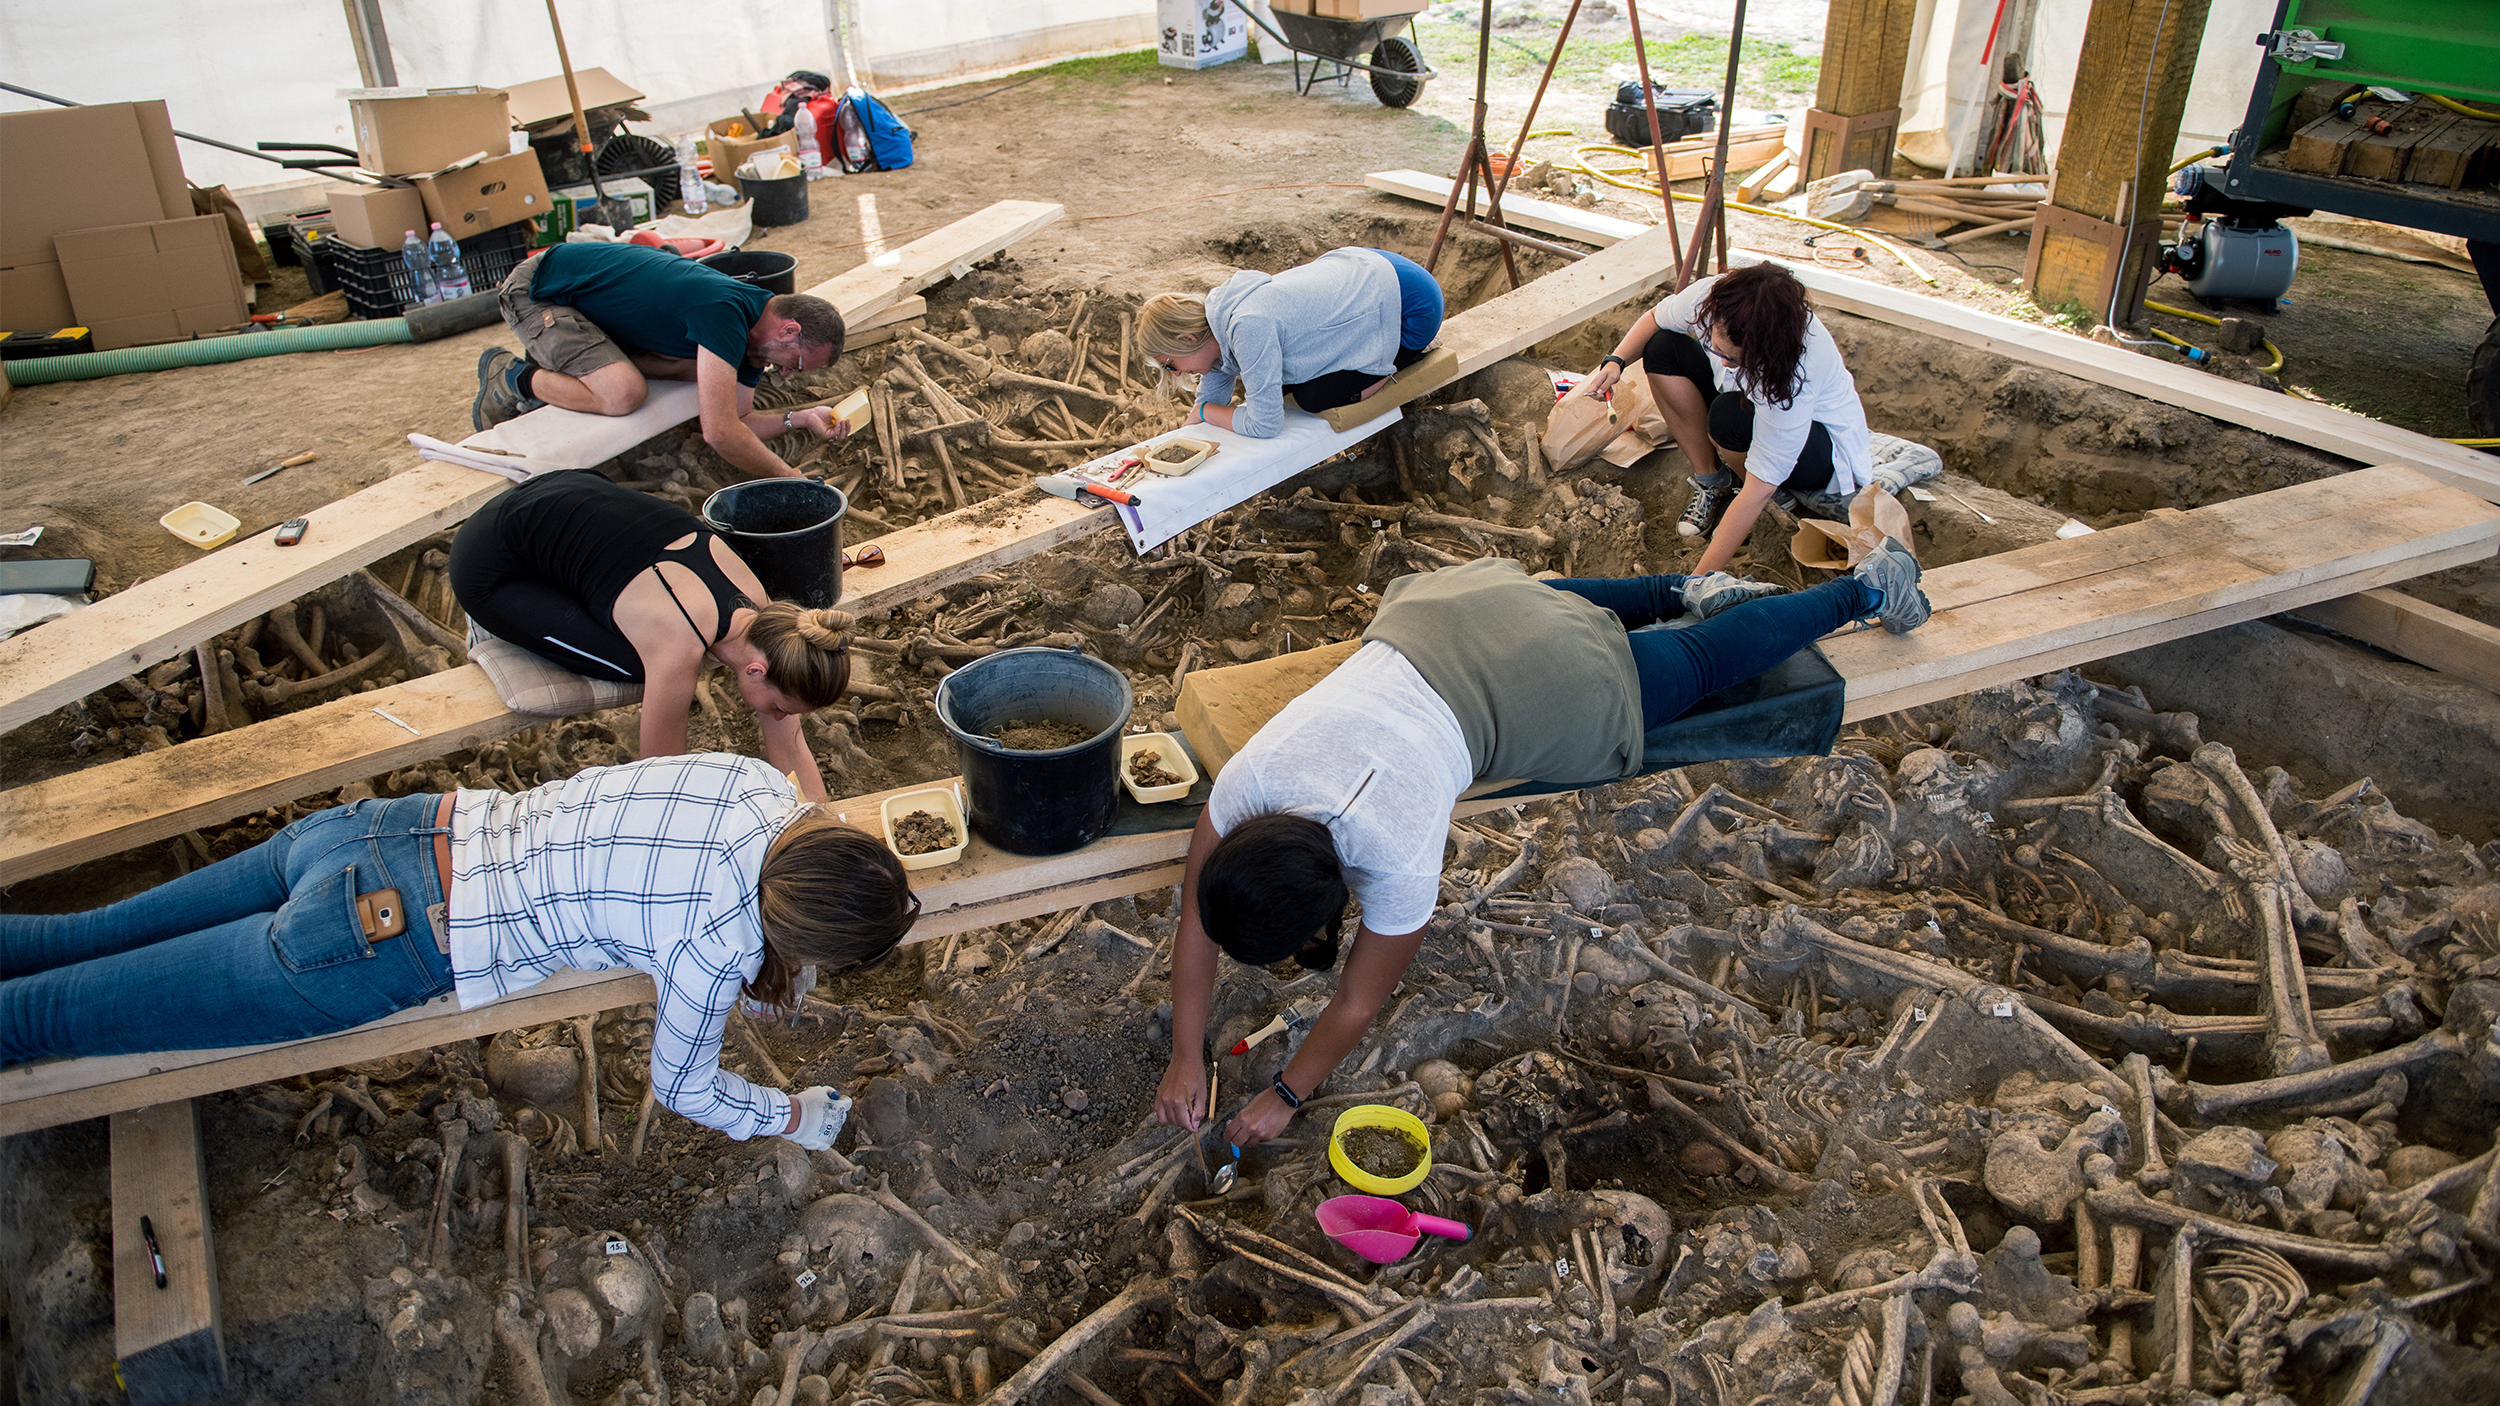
97, 230
1350, 9
453, 148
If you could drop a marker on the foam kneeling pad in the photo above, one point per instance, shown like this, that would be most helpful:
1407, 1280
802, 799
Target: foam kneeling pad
529, 684
1438, 368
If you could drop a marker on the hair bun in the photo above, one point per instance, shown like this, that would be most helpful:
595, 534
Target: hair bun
826, 629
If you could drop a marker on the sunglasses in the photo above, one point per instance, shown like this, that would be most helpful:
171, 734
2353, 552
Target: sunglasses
865, 557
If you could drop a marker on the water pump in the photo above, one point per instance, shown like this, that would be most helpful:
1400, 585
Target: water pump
2237, 248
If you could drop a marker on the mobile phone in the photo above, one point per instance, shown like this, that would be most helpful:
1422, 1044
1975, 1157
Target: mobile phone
380, 915
291, 531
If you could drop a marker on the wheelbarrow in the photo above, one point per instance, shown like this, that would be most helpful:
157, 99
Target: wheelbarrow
1335, 48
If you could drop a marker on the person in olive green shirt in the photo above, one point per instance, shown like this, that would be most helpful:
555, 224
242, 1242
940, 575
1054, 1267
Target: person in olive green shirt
599, 322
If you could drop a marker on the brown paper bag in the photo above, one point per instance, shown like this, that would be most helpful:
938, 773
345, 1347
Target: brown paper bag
1873, 516
217, 200
1621, 429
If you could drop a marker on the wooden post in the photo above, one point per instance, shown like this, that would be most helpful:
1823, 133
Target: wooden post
1857, 102
170, 1340
2096, 233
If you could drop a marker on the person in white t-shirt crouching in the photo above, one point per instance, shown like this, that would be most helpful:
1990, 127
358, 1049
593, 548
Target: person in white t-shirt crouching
1471, 671
1751, 385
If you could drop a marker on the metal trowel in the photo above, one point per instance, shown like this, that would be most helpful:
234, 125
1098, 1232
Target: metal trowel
1230, 1172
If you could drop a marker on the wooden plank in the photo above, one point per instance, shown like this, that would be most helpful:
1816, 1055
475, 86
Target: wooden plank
103, 810
2130, 90
2323, 427
2320, 147
2385, 156
169, 1340
2043, 607
46, 667
1866, 50
2422, 632
1742, 152
2452, 155
63, 660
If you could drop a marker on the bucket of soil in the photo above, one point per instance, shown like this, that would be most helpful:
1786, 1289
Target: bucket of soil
769, 269
789, 531
1037, 732
776, 202
1385, 1151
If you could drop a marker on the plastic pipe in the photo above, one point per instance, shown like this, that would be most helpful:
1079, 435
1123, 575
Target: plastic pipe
35, 371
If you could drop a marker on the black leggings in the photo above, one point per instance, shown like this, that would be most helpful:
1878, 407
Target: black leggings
509, 599
1672, 353
1330, 389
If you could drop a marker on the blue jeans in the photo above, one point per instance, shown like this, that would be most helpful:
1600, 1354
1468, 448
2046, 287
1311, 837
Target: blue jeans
1681, 667
264, 946
1419, 303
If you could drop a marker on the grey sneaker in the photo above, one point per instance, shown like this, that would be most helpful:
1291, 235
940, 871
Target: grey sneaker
1705, 596
1701, 516
498, 395
1891, 570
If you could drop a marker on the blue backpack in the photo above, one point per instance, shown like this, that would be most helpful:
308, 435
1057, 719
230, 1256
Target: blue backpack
867, 134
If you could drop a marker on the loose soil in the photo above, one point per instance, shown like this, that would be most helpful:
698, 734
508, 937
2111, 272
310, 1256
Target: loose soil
1044, 735
1384, 1152
1147, 771
923, 831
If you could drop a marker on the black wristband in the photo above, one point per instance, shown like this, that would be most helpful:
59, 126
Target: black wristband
1292, 1099
1619, 361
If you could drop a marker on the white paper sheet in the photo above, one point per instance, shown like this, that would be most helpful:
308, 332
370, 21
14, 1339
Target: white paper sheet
1240, 469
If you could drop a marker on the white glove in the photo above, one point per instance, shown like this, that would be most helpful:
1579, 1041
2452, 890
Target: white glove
822, 1111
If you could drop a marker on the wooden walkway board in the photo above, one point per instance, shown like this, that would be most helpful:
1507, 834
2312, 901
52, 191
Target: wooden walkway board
66, 659
169, 1340
2429, 636
106, 809
2043, 607
2341, 432
48, 666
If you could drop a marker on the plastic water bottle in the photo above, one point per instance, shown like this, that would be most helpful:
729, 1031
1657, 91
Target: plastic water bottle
689, 177
413, 253
811, 158
450, 278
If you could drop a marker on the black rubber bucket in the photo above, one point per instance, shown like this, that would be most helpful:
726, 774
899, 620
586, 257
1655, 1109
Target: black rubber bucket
1038, 802
781, 202
788, 531
769, 269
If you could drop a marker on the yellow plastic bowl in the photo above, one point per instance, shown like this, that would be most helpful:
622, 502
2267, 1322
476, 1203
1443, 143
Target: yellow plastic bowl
1380, 1115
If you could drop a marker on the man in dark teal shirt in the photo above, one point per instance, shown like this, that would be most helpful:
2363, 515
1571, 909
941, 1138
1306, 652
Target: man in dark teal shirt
598, 322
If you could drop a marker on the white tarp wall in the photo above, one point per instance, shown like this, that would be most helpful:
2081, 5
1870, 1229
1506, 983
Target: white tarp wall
252, 70
1945, 82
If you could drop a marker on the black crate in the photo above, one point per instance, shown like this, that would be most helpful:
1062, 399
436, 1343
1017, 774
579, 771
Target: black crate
378, 284
310, 242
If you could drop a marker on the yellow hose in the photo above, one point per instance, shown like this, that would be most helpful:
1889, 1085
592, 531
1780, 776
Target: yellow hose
2461, 109
2193, 157
2474, 443
1580, 161
2210, 322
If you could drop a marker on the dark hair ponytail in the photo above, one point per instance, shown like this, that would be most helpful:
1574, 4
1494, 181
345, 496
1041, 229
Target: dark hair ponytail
1764, 311
1273, 889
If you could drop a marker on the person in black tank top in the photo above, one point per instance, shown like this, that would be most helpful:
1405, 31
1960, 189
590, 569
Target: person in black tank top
568, 567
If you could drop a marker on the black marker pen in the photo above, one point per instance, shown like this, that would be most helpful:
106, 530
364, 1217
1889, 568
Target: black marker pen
156, 1257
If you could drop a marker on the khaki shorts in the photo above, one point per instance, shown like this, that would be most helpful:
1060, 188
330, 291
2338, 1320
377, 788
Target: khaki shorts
553, 335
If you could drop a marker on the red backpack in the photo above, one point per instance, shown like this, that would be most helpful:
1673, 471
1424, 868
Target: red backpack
799, 89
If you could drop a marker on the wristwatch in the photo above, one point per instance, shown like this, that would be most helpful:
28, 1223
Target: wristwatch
1619, 361
1292, 1099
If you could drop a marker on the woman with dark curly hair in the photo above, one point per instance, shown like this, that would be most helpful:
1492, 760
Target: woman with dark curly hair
1752, 385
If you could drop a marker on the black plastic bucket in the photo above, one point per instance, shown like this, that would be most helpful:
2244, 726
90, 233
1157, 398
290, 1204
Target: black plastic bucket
780, 202
788, 531
1038, 802
769, 269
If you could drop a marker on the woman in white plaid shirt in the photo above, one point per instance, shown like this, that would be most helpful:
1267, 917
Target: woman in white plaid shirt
708, 872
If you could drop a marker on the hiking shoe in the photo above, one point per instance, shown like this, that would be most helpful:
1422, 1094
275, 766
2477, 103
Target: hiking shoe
498, 394
1701, 516
1891, 571
1705, 596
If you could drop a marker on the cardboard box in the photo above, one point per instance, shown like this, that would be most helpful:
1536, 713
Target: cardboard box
575, 206
33, 298
80, 167
729, 153
375, 218
405, 131
470, 200
152, 282
546, 99
1190, 39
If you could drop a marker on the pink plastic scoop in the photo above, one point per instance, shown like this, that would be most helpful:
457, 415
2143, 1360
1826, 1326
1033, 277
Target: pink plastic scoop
1379, 1229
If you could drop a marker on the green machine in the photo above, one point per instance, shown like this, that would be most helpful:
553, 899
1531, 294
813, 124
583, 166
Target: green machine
2450, 48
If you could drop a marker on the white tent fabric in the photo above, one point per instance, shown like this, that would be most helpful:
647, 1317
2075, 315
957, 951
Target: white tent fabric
254, 70
1946, 80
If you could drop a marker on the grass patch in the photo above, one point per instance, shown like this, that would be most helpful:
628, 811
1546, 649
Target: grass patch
1770, 72
1125, 67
